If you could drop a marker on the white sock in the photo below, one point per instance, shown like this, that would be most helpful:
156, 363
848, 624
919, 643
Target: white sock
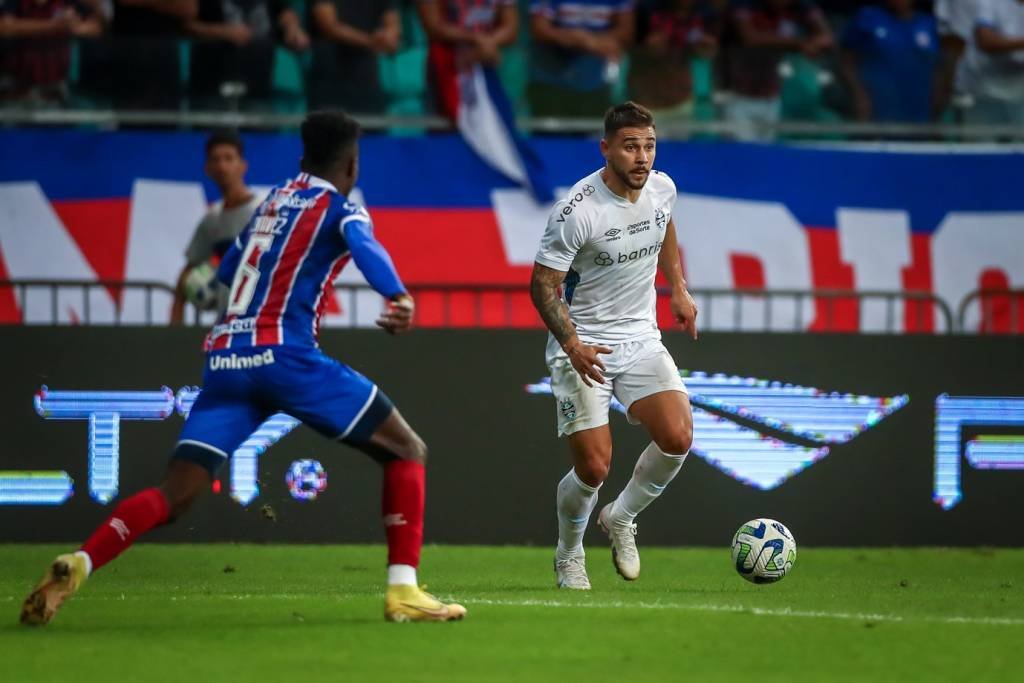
401, 574
575, 501
653, 472
88, 561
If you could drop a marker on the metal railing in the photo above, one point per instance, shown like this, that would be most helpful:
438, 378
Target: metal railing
1000, 311
88, 302
58, 303
822, 310
111, 118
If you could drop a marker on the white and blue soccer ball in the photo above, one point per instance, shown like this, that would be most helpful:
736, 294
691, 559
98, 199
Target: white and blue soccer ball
763, 551
201, 286
306, 479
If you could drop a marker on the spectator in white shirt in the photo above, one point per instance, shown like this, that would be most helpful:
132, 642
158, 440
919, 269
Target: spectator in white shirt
992, 71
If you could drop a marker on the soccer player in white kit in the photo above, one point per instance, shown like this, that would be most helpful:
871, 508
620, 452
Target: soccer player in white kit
593, 284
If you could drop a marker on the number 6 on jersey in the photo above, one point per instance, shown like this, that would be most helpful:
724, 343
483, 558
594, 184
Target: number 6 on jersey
248, 274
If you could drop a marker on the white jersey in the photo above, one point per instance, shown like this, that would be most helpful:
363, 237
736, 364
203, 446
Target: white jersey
996, 76
609, 248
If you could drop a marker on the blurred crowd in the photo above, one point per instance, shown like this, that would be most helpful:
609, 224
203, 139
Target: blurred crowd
746, 61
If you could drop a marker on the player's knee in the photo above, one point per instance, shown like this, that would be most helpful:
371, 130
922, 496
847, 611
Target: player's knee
676, 441
599, 472
595, 470
413, 448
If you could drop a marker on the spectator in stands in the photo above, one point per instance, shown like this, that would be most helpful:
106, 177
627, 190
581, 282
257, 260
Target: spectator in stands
348, 37
992, 71
463, 34
235, 42
577, 49
226, 167
139, 68
890, 55
660, 73
767, 31
36, 62
956, 29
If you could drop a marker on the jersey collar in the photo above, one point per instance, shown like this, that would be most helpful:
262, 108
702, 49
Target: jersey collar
316, 181
618, 199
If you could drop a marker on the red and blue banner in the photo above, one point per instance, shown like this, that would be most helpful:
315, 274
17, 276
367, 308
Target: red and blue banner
123, 205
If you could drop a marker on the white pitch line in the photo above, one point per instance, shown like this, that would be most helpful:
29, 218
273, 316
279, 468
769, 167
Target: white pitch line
695, 607
757, 611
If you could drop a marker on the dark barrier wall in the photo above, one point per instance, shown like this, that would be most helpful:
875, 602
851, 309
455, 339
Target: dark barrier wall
494, 456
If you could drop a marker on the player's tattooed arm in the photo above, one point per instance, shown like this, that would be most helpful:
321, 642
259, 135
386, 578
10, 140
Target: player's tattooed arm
544, 285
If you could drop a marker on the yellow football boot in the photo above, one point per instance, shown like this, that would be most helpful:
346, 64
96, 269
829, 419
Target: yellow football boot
411, 603
65, 576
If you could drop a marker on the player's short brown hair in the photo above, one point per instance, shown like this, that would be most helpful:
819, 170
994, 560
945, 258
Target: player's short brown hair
626, 115
225, 137
328, 138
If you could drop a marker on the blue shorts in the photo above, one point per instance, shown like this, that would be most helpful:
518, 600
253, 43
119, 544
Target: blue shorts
241, 389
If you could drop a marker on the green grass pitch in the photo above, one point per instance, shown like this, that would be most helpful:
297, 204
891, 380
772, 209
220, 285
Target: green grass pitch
198, 613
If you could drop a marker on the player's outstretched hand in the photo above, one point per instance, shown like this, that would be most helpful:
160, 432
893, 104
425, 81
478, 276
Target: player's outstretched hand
587, 362
684, 310
397, 317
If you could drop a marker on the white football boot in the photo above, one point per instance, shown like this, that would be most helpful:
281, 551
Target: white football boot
623, 537
572, 573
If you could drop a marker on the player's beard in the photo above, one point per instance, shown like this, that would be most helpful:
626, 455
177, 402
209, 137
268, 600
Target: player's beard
628, 180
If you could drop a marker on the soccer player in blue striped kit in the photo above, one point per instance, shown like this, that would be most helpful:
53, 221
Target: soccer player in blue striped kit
263, 358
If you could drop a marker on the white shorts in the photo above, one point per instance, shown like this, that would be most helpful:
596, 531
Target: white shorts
635, 369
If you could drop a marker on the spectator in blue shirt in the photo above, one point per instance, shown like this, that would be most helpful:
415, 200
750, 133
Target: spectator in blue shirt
576, 53
890, 57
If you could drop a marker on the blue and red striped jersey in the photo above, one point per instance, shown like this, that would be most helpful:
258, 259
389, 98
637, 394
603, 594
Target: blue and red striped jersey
283, 263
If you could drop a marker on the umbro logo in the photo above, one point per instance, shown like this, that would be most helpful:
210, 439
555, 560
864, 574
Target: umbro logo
613, 232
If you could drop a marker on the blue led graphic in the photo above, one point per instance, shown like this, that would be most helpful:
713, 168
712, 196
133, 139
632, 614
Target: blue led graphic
104, 411
185, 399
306, 480
245, 460
104, 434
753, 458
952, 413
996, 452
34, 488
826, 417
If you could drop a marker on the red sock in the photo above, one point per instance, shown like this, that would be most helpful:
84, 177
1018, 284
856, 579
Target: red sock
132, 517
404, 493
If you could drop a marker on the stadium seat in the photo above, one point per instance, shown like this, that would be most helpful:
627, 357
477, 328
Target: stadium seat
801, 90
403, 78
288, 81
404, 74
515, 75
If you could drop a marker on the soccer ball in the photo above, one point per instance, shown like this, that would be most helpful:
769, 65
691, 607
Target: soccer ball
201, 286
306, 479
763, 551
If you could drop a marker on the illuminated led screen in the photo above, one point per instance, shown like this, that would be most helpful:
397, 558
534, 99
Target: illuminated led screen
104, 411
985, 451
756, 459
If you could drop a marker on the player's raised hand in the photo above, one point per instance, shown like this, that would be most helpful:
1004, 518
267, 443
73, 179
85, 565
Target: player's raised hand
684, 310
397, 317
586, 360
